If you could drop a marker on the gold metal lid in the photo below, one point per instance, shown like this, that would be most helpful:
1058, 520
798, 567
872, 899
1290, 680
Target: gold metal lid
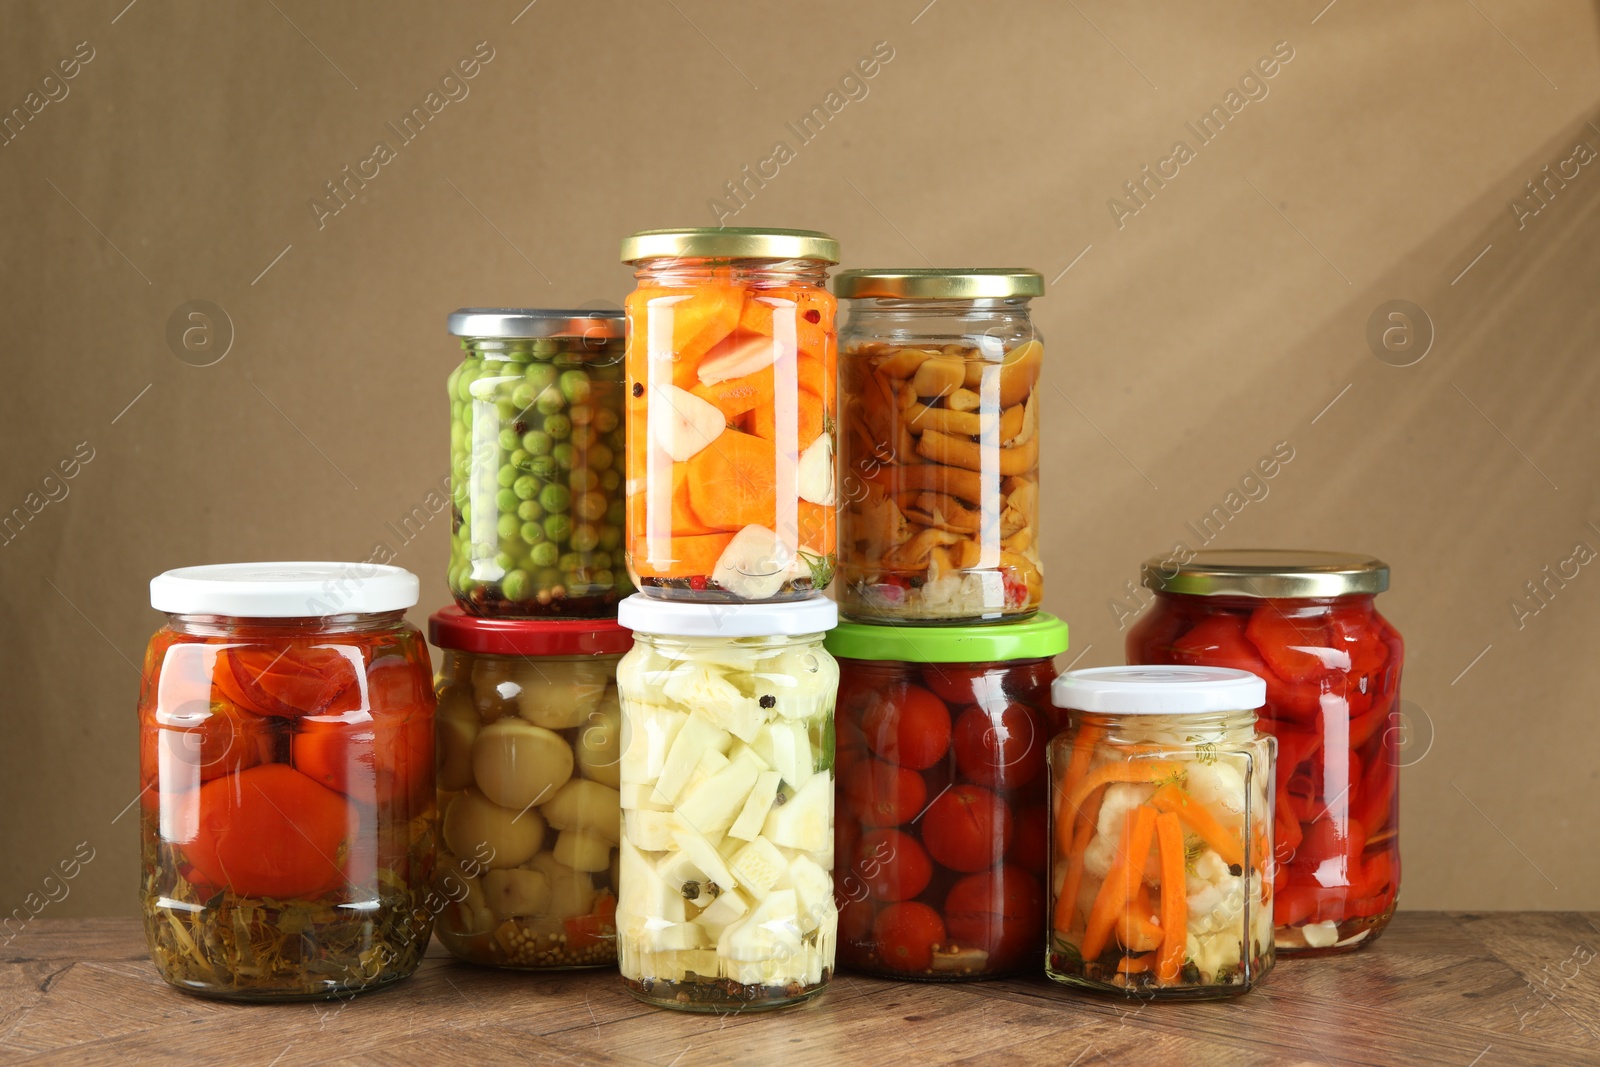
938, 283
729, 242
1268, 572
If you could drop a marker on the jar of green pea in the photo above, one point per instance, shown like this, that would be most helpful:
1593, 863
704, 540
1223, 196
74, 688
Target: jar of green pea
536, 462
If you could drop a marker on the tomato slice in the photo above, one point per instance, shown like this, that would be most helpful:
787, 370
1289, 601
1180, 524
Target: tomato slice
289, 681
271, 831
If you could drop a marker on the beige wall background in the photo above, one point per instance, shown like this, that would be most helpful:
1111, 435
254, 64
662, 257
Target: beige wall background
1230, 313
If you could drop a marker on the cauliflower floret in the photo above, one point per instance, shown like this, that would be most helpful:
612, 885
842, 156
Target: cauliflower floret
1120, 799
1218, 787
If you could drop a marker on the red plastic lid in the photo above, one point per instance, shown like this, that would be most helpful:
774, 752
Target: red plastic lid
453, 628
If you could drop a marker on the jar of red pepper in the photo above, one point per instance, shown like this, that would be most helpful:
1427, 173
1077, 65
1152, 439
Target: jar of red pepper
942, 810
286, 759
1307, 623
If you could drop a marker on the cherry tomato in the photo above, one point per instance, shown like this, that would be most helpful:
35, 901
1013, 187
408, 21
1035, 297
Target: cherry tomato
906, 934
1004, 748
1030, 844
965, 684
908, 725
881, 794
289, 681
892, 864
1000, 911
856, 686
270, 831
855, 922
967, 828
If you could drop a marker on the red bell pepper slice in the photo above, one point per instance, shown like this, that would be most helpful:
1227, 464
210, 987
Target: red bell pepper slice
288, 682
1296, 648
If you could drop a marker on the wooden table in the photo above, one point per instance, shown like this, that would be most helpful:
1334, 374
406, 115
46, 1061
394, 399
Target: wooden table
1440, 988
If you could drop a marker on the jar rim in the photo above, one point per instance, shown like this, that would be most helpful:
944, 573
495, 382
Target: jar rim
534, 323
1159, 690
1039, 636
680, 618
453, 630
284, 590
937, 283
1267, 573
729, 242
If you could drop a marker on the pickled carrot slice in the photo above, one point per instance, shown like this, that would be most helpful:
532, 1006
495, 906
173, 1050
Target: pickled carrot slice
691, 557
1125, 875
1172, 798
733, 483
1174, 905
763, 419
735, 396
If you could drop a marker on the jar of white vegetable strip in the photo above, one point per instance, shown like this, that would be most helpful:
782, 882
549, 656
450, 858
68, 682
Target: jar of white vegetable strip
725, 899
1161, 831
939, 446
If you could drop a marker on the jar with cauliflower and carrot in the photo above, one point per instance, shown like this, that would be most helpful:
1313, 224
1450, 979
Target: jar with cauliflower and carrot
1161, 832
730, 413
725, 887
939, 446
530, 748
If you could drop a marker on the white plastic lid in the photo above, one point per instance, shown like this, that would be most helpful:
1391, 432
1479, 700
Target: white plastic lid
678, 618
1158, 690
284, 590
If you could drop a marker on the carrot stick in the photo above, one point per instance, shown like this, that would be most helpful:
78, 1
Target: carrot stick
1136, 928
1066, 814
1174, 905
1126, 872
1135, 964
1173, 799
1149, 772
1067, 902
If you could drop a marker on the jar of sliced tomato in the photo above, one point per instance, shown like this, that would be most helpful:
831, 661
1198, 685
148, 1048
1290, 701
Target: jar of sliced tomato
941, 831
730, 414
286, 764
536, 461
1307, 623
939, 509
530, 744
1161, 832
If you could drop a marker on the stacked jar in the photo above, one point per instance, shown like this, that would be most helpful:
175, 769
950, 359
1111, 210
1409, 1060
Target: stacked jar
530, 740
726, 900
1305, 622
945, 665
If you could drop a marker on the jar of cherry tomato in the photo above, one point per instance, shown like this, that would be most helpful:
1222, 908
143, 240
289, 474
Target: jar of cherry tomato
536, 458
286, 759
940, 839
730, 414
1307, 623
1161, 833
726, 896
939, 516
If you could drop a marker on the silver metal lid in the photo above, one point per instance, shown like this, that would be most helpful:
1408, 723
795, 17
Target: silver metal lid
535, 322
938, 283
1268, 572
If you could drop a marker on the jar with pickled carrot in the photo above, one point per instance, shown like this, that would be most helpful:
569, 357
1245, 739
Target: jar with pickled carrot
1161, 832
939, 508
286, 764
730, 411
1307, 623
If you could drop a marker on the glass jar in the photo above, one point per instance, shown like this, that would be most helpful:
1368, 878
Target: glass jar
731, 414
536, 462
939, 509
943, 798
1160, 865
530, 743
726, 898
1307, 623
286, 760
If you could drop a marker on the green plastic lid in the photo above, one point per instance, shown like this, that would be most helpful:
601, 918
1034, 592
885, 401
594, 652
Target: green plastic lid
1037, 637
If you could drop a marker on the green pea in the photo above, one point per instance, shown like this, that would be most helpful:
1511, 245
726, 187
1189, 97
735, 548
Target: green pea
466, 513
620, 580
555, 498
581, 414
565, 455
506, 410
509, 440
546, 348
458, 436
605, 420
524, 488
558, 528
610, 538
522, 395
540, 376
537, 442
584, 437
457, 409
514, 586
458, 492
505, 560
530, 511
545, 554
506, 475
582, 480
450, 382
558, 427
519, 458
550, 401
591, 506
600, 560
506, 499
610, 480
616, 513
507, 525
545, 467
599, 456
532, 532
618, 440
569, 563
585, 537
469, 372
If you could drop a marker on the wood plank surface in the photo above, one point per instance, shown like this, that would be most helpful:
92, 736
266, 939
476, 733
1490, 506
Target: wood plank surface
1452, 989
